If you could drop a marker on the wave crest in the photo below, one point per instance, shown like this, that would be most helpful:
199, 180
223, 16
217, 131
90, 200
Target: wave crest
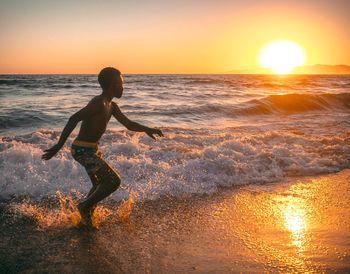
296, 103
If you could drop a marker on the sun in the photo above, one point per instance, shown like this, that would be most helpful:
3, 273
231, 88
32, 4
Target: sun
281, 56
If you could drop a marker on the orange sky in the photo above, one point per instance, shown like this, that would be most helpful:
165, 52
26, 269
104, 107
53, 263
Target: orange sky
165, 36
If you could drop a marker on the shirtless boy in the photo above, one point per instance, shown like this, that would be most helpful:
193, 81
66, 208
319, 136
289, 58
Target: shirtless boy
95, 117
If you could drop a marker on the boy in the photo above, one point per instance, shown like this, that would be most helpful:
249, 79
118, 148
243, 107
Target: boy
95, 116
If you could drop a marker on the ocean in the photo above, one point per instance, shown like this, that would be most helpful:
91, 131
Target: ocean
251, 176
221, 131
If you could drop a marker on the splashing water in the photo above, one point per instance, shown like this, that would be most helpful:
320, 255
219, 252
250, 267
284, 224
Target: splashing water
71, 214
126, 206
68, 210
64, 216
67, 215
100, 214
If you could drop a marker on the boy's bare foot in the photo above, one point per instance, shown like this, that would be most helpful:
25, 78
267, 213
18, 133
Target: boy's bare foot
85, 214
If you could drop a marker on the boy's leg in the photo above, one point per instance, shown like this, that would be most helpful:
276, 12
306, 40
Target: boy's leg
94, 182
107, 182
87, 214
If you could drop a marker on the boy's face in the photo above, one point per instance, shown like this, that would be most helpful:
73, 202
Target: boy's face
117, 86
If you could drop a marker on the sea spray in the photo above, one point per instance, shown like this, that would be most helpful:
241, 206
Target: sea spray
68, 209
66, 214
125, 208
44, 215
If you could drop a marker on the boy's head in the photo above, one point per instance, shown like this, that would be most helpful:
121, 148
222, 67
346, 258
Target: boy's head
111, 81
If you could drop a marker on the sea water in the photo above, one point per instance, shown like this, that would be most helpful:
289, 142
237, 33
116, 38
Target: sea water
221, 131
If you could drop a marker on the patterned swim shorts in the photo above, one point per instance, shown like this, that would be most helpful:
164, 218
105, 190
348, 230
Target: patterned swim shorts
90, 157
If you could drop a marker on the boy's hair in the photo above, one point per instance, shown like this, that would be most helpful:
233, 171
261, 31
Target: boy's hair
106, 76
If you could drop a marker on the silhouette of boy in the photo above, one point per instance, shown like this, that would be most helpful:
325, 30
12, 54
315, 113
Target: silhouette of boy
95, 117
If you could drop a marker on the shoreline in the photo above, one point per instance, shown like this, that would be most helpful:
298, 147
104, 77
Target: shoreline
302, 226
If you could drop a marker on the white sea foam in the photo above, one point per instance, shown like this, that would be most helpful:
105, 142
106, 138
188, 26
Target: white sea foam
184, 162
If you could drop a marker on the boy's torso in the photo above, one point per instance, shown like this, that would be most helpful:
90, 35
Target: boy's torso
93, 128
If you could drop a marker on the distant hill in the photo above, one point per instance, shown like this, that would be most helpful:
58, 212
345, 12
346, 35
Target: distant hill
323, 69
313, 69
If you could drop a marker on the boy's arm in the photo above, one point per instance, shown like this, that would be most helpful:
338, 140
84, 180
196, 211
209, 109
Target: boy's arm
89, 110
131, 125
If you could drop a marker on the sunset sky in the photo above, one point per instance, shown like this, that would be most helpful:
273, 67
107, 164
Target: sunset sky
166, 36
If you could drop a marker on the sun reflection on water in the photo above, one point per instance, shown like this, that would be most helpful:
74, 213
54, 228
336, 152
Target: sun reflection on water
295, 221
277, 226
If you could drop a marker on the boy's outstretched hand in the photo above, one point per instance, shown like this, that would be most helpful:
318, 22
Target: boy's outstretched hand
152, 131
49, 153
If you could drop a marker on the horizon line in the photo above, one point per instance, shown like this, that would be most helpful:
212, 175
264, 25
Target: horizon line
223, 73
233, 71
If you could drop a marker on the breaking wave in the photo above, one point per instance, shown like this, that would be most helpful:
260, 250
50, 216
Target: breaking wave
185, 162
296, 103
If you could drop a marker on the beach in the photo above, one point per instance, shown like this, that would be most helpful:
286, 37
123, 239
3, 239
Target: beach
294, 227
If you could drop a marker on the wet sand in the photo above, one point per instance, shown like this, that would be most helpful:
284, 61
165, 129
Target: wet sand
296, 227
